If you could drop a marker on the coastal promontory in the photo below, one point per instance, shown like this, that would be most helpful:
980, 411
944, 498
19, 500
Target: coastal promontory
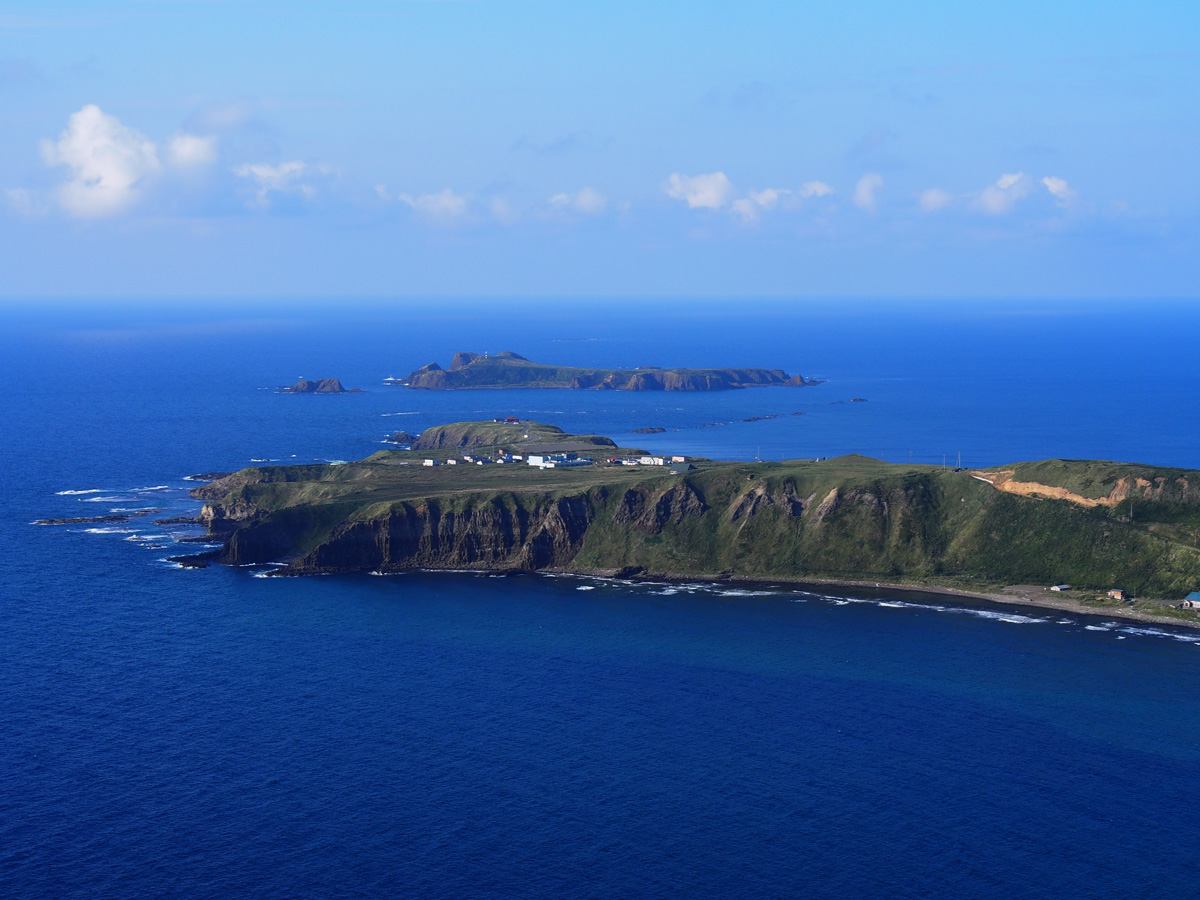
511, 370
528, 497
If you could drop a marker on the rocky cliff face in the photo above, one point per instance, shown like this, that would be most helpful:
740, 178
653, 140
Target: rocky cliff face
534, 533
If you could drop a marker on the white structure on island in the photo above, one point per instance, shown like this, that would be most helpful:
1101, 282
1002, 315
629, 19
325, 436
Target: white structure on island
556, 460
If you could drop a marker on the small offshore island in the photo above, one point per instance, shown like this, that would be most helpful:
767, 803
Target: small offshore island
519, 497
511, 370
319, 386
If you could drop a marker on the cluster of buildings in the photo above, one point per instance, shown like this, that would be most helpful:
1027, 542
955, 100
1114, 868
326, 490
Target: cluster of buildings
562, 461
540, 460
646, 460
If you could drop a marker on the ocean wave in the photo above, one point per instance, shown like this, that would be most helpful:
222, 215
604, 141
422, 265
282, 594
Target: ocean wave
142, 538
147, 490
113, 499
585, 587
76, 493
110, 530
1011, 618
1142, 631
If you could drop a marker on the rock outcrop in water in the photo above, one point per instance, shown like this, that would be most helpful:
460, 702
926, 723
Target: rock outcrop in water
319, 386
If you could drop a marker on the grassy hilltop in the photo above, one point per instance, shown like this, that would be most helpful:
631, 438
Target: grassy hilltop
848, 518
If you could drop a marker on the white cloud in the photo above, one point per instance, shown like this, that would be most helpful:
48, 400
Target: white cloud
444, 207
749, 207
865, 191
285, 178
815, 189
106, 160
588, 201
1060, 189
934, 199
190, 151
998, 199
709, 191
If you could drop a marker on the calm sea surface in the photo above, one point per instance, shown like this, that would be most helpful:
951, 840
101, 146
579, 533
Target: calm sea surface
210, 734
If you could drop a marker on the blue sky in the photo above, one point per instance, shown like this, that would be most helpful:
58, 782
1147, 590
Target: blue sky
602, 149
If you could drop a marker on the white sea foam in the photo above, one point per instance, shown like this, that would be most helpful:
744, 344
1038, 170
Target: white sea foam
739, 592
146, 490
585, 587
1011, 618
110, 531
109, 499
1184, 637
76, 493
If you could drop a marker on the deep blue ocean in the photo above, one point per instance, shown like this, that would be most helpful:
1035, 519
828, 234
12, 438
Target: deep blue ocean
214, 734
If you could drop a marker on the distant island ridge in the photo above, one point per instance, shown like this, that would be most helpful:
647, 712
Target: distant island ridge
511, 370
524, 496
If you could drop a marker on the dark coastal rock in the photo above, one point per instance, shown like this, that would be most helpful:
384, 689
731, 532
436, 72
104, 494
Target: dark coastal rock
402, 437
193, 561
649, 430
84, 520
207, 476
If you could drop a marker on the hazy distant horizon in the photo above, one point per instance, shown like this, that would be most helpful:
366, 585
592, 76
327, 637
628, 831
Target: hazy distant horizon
673, 149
